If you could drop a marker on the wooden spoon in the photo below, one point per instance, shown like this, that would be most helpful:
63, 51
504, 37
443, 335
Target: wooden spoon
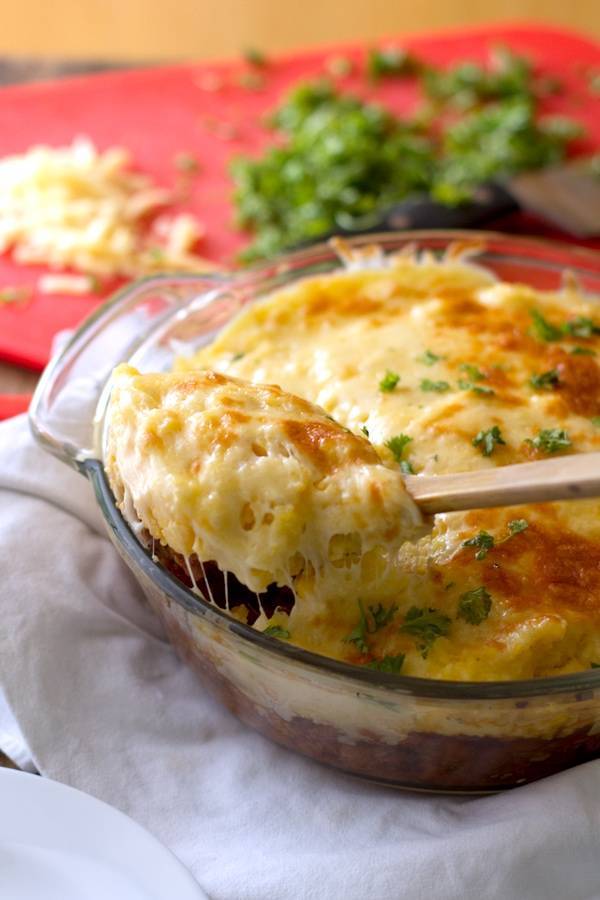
564, 478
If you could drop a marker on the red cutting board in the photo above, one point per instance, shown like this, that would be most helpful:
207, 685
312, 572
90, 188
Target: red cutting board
159, 113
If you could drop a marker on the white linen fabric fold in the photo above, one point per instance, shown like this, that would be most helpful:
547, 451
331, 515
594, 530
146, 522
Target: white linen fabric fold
104, 705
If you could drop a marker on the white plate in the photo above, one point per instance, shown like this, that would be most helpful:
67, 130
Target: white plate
57, 843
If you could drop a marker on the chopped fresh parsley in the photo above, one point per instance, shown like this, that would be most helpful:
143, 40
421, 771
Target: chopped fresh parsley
397, 445
438, 386
583, 351
338, 160
237, 356
389, 381
516, 526
428, 358
480, 389
474, 606
426, 625
277, 632
483, 541
551, 440
545, 381
389, 62
389, 664
468, 83
581, 327
369, 622
474, 373
543, 329
364, 430
406, 467
488, 439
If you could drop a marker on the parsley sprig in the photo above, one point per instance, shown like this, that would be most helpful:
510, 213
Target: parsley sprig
474, 606
439, 387
488, 439
389, 381
389, 664
427, 625
277, 632
428, 358
580, 327
545, 381
484, 543
397, 445
551, 440
370, 621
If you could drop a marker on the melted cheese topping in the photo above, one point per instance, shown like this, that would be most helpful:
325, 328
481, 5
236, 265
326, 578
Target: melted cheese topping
260, 481
331, 340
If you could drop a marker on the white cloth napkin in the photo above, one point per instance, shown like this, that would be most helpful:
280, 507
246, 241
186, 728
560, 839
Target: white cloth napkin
104, 705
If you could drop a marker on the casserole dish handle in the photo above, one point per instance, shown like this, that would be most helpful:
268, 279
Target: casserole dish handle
64, 410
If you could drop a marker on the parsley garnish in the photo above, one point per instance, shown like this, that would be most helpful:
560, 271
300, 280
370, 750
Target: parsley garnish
480, 389
390, 62
474, 373
277, 632
391, 664
488, 439
545, 381
516, 526
581, 327
551, 440
427, 625
364, 430
474, 606
438, 386
428, 358
237, 356
406, 467
583, 351
595, 420
397, 445
337, 159
543, 329
483, 541
369, 622
389, 381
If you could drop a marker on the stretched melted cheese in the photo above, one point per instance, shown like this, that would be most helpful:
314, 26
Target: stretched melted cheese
260, 481
331, 339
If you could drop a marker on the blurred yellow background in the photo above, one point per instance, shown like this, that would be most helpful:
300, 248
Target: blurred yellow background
147, 29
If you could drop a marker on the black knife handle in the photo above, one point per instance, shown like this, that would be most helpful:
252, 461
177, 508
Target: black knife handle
490, 201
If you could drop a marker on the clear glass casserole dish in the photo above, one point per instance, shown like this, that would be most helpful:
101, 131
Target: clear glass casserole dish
408, 732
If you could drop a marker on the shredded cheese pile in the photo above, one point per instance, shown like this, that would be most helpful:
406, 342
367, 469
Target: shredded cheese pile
78, 208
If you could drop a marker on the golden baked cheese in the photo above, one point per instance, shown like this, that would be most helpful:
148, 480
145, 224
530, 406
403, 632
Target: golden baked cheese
260, 481
476, 373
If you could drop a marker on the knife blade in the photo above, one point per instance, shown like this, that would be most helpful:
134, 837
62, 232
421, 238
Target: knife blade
567, 196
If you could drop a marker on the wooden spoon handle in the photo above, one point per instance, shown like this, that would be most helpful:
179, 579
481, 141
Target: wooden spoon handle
563, 478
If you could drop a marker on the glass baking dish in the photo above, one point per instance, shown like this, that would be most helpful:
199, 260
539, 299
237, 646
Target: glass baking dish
459, 737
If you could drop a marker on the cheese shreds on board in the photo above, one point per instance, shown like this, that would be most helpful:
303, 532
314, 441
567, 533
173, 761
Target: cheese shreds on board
80, 208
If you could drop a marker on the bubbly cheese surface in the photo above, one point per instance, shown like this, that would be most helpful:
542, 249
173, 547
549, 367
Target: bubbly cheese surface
461, 354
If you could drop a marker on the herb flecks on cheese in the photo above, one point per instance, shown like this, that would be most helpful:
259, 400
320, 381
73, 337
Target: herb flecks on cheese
331, 339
